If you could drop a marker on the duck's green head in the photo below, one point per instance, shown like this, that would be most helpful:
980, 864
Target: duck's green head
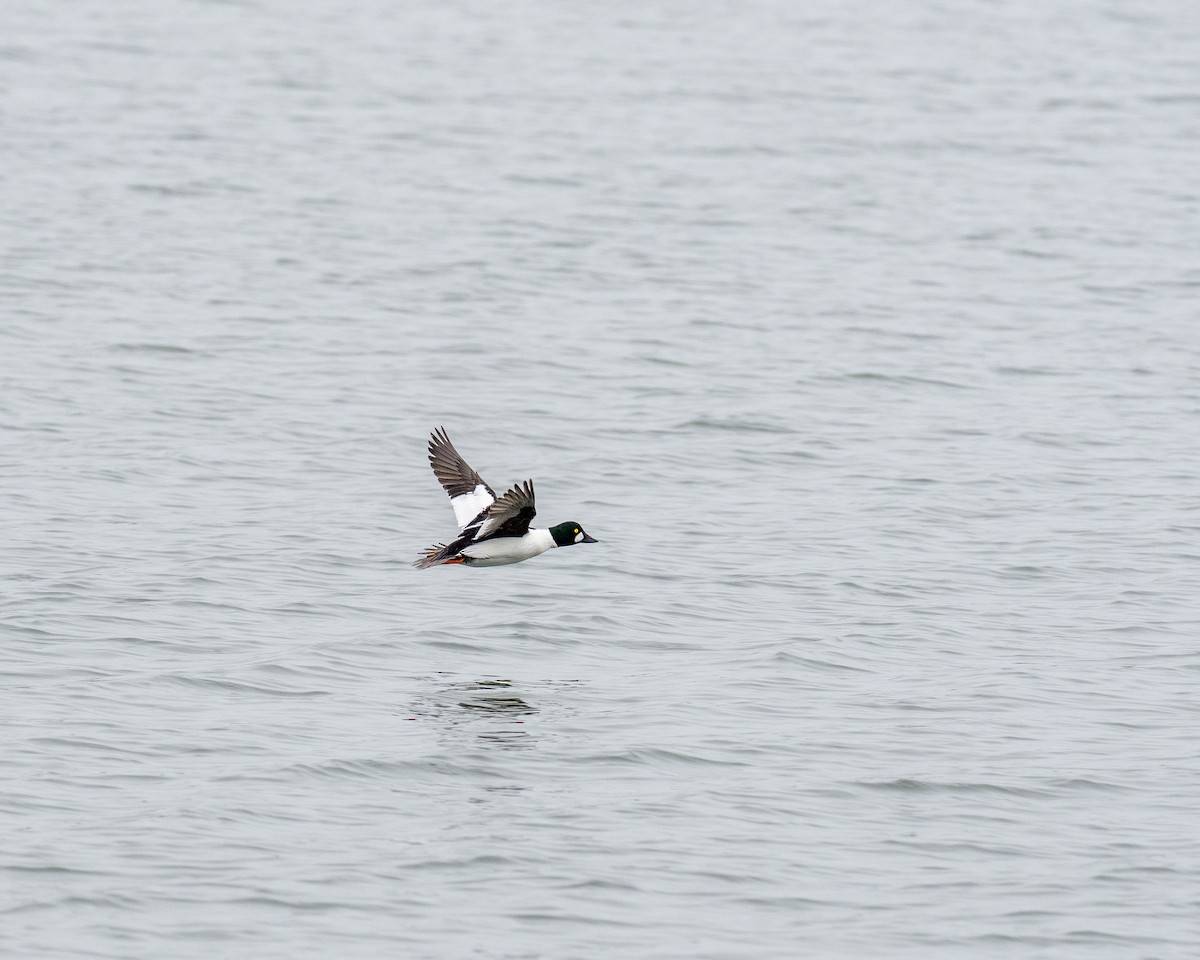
566, 534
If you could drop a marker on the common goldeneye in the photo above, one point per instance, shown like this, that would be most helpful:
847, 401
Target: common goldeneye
495, 531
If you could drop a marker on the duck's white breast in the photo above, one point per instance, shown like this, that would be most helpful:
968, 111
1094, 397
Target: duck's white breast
495, 553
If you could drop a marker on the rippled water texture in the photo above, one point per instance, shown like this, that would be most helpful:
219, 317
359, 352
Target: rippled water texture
863, 336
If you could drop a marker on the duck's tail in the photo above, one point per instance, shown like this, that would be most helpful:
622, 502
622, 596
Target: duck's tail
436, 555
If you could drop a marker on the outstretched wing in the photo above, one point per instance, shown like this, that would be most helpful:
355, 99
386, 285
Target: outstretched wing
510, 515
469, 495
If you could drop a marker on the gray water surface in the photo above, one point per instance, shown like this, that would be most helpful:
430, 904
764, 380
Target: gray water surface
863, 336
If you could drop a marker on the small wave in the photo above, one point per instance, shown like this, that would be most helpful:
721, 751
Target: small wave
785, 657
365, 769
1087, 784
735, 425
1028, 371
169, 348
239, 686
911, 785
901, 380
657, 756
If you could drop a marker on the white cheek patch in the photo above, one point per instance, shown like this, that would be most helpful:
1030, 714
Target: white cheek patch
579, 538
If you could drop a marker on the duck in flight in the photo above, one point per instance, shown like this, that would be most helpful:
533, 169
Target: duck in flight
494, 530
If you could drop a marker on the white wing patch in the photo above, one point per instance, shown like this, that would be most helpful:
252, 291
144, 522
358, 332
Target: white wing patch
467, 506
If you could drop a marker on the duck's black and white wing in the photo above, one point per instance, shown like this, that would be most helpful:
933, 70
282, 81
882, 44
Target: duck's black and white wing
469, 494
509, 516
